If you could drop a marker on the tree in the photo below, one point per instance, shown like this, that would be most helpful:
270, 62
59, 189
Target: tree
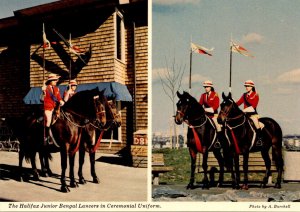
171, 80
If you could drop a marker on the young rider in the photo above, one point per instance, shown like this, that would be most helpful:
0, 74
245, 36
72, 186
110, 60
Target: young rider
71, 90
250, 100
52, 99
210, 102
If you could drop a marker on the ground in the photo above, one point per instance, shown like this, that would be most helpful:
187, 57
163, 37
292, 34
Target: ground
118, 182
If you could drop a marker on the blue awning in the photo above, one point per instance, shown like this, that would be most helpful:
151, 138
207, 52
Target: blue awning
112, 89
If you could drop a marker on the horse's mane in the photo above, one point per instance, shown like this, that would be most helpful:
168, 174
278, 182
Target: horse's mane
83, 102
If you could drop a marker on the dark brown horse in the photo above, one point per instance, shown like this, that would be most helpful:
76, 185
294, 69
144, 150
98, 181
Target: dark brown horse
85, 108
202, 136
240, 131
91, 137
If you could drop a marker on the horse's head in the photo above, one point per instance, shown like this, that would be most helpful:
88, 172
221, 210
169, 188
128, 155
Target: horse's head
113, 113
187, 108
88, 105
229, 109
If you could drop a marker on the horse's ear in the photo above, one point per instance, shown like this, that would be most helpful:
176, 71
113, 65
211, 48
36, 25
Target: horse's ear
223, 95
229, 95
178, 94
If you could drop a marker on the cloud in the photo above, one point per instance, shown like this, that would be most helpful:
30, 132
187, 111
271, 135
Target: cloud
252, 38
158, 72
172, 2
292, 76
196, 78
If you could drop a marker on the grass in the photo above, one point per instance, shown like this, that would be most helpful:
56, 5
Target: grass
179, 159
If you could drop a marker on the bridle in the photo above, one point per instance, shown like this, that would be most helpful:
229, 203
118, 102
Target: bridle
100, 112
229, 119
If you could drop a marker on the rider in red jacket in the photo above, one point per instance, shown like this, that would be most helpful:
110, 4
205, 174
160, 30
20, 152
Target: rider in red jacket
250, 100
51, 98
210, 102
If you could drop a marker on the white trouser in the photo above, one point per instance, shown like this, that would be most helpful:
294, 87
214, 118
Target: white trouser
218, 126
48, 114
255, 121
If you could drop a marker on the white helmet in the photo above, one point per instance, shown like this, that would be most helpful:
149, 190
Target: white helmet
207, 83
249, 83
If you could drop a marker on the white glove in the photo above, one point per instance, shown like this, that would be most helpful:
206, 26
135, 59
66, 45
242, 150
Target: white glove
209, 110
61, 102
248, 109
44, 87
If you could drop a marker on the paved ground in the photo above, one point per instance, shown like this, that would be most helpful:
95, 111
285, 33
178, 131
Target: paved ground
118, 182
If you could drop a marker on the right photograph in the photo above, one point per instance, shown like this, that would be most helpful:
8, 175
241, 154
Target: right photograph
225, 101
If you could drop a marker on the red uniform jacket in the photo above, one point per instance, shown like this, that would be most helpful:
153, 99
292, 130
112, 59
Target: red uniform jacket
249, 100
212, 101
51, 98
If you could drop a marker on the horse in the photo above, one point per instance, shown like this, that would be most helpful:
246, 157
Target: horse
201, 136
113, 119
240, 132
86, 108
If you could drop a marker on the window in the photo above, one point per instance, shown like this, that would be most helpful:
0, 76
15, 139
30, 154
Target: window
119, 35
114, 135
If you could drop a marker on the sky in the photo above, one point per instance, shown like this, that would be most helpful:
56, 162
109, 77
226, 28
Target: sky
269, 29
7, 7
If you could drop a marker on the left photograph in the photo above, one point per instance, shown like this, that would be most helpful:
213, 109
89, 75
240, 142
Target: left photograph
73, 100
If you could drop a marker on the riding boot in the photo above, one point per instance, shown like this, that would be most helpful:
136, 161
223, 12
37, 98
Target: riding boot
259, 141
47, 135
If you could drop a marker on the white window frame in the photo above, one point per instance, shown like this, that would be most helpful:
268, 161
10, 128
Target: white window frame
118, 14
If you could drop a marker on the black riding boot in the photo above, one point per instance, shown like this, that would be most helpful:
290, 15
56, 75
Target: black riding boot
47, 135
259, 141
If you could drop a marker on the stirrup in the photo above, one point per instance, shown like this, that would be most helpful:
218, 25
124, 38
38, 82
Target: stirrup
217, 145
259, 142
48, 140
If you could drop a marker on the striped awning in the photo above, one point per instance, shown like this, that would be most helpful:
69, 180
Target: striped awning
112, 89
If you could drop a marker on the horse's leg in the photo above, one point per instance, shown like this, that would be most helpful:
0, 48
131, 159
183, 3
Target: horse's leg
42, 162
93, 171
64, 158
193, 155
33, 165
204, 167
266, 157
73, 183
245, 168
236, 173
20, 169
81, 162
277, 157
47, 157
220, 159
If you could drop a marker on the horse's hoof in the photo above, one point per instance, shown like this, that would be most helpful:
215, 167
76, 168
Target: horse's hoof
277, 185
82, 181
96, 180
205, 187
64, 189
190, 186
36, 177
50, 173
73, 184
245, 187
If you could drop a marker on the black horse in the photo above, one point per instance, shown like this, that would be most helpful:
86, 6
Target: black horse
202, 136
91, 137
85, 108
240, 131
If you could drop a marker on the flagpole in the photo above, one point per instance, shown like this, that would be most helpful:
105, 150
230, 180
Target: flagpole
70, 65
230, 71
43, 55
190, 77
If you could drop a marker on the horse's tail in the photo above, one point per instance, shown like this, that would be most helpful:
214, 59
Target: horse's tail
276, 135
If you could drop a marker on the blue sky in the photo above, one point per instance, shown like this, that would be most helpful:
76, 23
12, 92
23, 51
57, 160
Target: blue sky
269, 29
7, 7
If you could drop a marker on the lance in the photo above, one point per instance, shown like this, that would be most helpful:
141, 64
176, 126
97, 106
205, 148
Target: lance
68, 44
